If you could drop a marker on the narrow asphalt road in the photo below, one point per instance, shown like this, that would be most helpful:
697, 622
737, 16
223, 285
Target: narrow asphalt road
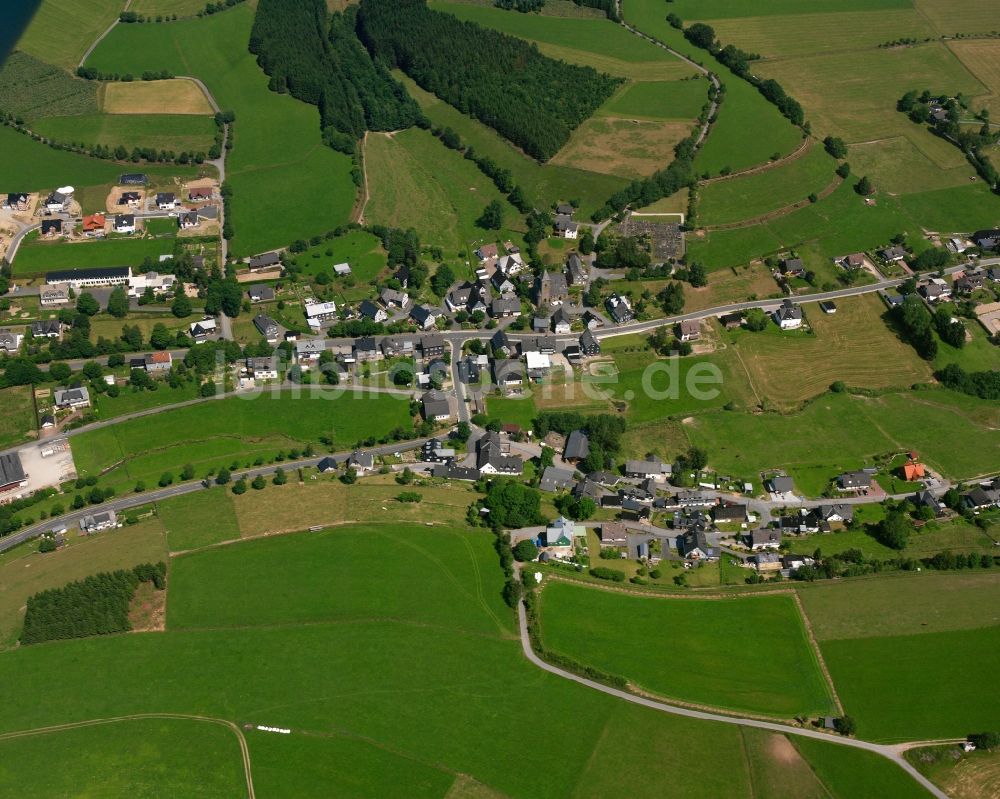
135, 500
889, 752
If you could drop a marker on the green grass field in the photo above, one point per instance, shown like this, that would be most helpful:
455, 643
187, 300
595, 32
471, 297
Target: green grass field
894, 685
922, 603
177, 132
277, 148
849, 773
198, 520
18, 418
214, 434
23, 571
36, 166
721, 9
674, 99
146, 757
753, 195
62, 30
35, 257
686, 649
415, 181
545, 183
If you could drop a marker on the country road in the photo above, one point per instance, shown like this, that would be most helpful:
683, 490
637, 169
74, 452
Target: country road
893, 753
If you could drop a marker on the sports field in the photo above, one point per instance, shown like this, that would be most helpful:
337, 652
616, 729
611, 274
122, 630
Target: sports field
277, 147
686, 649
854, 345
173, 132
176, 96
750, 196
415, 181
18, 418
215, 434
167, 757
36, 257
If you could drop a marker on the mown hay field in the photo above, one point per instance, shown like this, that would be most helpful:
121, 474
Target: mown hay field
175, 96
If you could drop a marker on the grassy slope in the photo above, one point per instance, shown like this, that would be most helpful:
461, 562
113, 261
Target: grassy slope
849, 773
752, 195
35, 257
215, 433
140, 757
415, 181
277, 149
33, 166
175, 132
18, 418
686, 649
23, 572
198, 520
677, 99
62, 30
895, 685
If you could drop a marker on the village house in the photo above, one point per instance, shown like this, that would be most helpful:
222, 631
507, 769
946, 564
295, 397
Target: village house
436, 407
729, 514
492, 457
613, 534
854, 481
187, 220
892, 255
764, 538
200, 194
689, 330
53, 295
506, 306
855, 260
95, 522
58, 201
987, 239
653, 468
791, 267
124, 223
788, 316
561, 321
342, 270
166, 201
577, 447
731, 321
393, 299
10, 340
424, 316
555, 479
576, 271
936, 289
260, 293
71, 398
501, 345
266, 261
432, 346
308, 350
11, 472
366, 350
361, 461
589, 345
93, 225
765, 562
620, 308
46, 328
201, 330
319, 312
559, 536
369, 310
151, 281
132, 199
267, 327
262, 368
693, 545
487, 251
17, 201
158, 362
565, 227
51, 227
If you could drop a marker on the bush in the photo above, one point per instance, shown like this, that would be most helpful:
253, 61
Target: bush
985, 740
409, 496
525, 550
604, 573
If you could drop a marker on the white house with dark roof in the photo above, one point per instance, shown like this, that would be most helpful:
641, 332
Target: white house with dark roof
788, 316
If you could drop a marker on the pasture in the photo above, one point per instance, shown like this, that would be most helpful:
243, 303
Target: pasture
727, 286
158, 97
175, 132
664, 99
129, 401
232, 430
982, 59
168, 757
182, 8
62, 30
35, 166
35, 257
450, 654
24, 571
323, 499
197, 520
685, 649
724, 9
17, 422
853, 345
277, 145
897, 166
753, 195
893, 685
415, 181
849, 773
962, 775
931, 602
631, 148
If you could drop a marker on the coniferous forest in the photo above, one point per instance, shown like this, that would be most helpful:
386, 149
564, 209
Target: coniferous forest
96, 605
534, 101
319, 60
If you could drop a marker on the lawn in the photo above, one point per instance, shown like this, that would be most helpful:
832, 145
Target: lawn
546, 183
23, 571
318, 577
277, 147
978, 355
669, 99
753, 195
110, 328
238, 429
18, 418
853, 345
513, 410
727, 286
198, 520
127, 758
686, 649
360, 249
36, 257
929, 602
62, 30
175, 132
415, 181
893, 685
